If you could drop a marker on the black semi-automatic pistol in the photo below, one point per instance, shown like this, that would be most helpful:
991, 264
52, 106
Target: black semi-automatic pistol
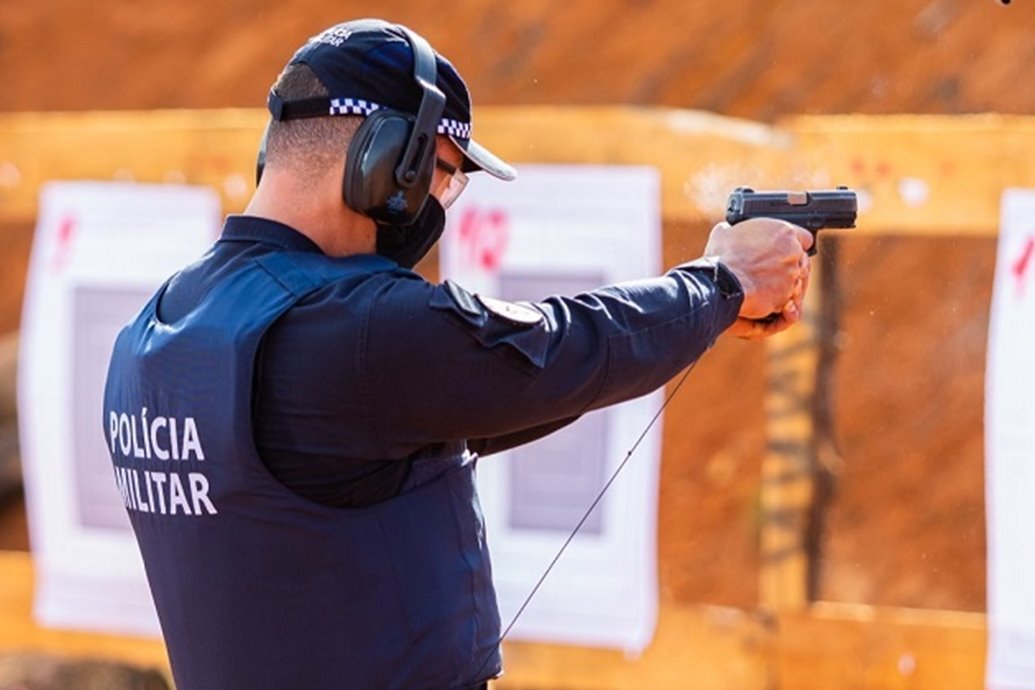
812, 210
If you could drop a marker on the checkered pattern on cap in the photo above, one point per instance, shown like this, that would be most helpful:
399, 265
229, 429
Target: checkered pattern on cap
454, 128
359, 106
352, 106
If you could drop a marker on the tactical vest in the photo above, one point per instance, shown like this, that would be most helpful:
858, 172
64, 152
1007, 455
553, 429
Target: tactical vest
255, 586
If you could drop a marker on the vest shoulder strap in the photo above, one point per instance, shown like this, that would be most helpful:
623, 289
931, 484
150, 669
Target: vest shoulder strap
294, 278
303, 273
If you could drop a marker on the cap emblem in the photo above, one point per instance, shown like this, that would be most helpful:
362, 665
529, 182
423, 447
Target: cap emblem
335, 36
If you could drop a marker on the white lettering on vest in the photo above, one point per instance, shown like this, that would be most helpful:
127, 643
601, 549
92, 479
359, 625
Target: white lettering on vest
159, 479
191, 442
113, 430
164, 493
159, 423
173, 441
138, 452
141, 506
146, 437
123, 484
124, 433
199, 493
143, 437
177, 497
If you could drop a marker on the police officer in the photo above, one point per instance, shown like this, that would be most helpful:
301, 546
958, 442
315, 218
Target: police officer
295, 419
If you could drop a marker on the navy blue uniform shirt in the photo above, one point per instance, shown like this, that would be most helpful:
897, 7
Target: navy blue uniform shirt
361, 377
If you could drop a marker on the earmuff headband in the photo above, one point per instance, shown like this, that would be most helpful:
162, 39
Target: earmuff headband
422, 140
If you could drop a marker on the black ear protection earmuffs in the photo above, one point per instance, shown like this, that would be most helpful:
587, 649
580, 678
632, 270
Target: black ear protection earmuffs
391, 159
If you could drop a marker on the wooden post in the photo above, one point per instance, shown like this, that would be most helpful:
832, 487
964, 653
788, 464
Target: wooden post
787, 486
10, 465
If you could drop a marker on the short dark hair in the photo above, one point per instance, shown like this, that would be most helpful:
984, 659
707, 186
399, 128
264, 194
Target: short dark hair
309, 145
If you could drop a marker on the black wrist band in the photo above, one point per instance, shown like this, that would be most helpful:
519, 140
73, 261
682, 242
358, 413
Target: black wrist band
724, 279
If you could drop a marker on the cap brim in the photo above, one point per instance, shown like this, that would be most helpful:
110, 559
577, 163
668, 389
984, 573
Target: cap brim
477, 157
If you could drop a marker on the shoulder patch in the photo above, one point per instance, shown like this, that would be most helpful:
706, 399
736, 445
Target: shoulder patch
463, 299
512, 312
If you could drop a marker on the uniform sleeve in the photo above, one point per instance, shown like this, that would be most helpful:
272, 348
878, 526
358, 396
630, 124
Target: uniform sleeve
442, 364
498, 444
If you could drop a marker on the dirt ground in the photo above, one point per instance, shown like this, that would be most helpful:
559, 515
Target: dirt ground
905, 523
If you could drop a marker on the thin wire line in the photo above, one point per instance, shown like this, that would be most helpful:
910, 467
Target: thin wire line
585, 516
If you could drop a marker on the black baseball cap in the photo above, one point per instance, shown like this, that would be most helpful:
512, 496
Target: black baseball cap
368, 64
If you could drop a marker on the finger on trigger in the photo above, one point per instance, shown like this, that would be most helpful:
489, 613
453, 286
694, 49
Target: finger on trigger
806, 238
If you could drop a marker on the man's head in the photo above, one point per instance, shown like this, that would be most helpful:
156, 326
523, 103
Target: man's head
308, 147
381, 93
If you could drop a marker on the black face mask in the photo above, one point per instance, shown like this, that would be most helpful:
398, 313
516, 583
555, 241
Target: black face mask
407, 244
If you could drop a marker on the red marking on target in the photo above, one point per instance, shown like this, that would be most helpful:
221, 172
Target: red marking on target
484, 235
65, 232
1022, 267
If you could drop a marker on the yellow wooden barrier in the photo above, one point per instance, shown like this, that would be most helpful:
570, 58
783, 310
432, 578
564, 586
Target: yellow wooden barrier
919, 174
19, 631
916, 175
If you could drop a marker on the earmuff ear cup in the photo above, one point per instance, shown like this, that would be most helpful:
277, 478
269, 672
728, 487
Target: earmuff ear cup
370, 186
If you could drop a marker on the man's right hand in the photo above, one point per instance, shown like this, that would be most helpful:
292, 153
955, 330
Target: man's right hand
769, 258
